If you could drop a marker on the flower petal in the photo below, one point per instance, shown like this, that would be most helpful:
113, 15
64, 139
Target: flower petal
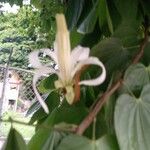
63, 47
55, 48
50, 53
69, 94
40, 72
34, 59
79, 53
94, 61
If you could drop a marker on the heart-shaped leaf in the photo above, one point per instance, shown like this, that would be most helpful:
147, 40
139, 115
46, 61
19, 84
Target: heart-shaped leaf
128, 33
109, 50
132, 121
136, 76
74, 142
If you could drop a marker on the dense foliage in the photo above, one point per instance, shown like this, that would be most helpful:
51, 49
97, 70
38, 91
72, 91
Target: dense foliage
23, 32
114, 115
17, 33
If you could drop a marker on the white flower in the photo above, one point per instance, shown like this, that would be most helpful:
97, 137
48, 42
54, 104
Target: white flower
68, 62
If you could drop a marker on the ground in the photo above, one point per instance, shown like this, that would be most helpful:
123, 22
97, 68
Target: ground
24, 130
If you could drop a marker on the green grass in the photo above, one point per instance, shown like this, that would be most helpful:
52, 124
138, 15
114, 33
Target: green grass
25, 130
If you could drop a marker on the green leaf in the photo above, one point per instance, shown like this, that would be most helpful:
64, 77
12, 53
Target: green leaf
45, 139
52, 101
53, 140
127, 8
14, 141
35, 106
136, 76
90, 39
100, 125
102, 13
75, 38
74, 142
87, 93
88, 24
107, 142
132, 121
104, 16
109, 113
145, 5
128, 32
74, 9
47, 85
146, 56
114, 14
108, 51
67, 114
39, 139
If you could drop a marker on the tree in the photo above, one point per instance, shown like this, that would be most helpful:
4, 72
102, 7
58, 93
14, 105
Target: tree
114, 115
23, 32
13, 37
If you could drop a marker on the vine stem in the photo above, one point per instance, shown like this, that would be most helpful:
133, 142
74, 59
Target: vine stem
92, 114
88, 120
142, 46
94, 130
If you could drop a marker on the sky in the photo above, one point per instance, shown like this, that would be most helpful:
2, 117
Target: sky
14, 9
7, 8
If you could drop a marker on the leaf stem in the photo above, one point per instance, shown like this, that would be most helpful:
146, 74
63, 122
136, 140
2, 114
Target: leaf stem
88, 120
94, 130
12, 122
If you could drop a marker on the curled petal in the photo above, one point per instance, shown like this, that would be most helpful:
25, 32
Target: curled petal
40, 72
79, 53
34, 59
94, 61
50, 53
